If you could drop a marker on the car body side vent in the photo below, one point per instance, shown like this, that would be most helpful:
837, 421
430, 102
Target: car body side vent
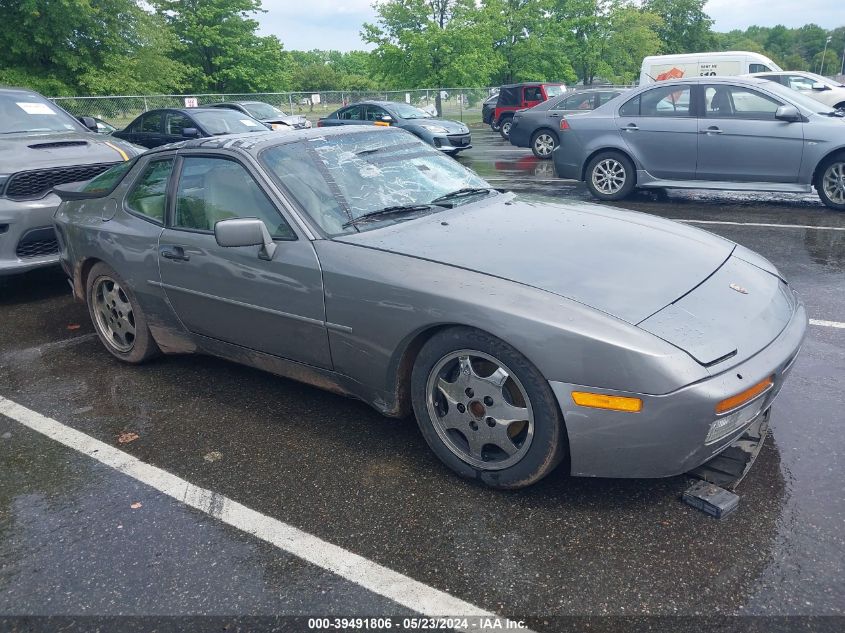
54, 144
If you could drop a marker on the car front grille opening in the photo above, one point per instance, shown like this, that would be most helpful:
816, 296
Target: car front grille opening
31, 185
37, 243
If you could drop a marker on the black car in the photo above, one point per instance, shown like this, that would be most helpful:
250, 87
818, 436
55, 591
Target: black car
268, 114
539, 127
163, 126
487, 109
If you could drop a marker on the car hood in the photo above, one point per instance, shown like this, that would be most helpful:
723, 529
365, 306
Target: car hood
626, 264
43, 150
452, 127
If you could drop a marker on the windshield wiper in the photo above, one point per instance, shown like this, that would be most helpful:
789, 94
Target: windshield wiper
460, 193
399, 209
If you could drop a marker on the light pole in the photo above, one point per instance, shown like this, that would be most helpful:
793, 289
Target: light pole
824, 54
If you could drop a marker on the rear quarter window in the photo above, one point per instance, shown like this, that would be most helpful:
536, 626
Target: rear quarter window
106, 182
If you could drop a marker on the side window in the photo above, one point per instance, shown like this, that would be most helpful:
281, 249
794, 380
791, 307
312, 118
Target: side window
759, 68
630, 107
604, 97
175, 122
350, 114
666, 101
375, 113
151, 123
580, 102
532, 94
733, 102
799, 82
214, 189
149, 194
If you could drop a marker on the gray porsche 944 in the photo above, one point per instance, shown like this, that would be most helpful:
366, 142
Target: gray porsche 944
520, 334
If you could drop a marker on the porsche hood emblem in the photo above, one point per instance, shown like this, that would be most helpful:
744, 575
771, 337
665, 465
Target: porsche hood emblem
739, 289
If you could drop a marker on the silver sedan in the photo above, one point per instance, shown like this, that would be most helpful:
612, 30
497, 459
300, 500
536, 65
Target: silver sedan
522, 335
707, 133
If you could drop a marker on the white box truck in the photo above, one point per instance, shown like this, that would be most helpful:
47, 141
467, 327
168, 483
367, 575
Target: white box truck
727, 64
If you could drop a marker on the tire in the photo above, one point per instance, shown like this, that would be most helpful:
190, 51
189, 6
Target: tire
543, 143
526, 442
494, 124
830, 182
117, 316
613, 168
505, 127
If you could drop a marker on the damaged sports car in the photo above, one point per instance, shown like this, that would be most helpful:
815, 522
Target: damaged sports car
522, 335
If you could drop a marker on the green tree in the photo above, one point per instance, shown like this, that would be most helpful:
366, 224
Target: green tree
221, 47
633, 35
686, 27
86, 47
431, 43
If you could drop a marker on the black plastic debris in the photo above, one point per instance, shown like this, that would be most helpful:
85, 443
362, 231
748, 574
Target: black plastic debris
711, 499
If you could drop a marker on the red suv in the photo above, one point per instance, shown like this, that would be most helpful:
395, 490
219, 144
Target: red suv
520, 97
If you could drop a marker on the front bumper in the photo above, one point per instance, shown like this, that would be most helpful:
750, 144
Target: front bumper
452, 142
26, 234
668, 436
519, 136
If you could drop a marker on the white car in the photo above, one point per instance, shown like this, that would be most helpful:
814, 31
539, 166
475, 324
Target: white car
827, 91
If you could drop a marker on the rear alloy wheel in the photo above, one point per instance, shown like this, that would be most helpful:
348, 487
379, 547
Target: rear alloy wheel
610, 176
543, 144
505, 128
830, 183
117, 317
485, 410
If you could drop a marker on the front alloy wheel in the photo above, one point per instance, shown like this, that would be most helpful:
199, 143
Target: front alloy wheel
480, 409
485, 410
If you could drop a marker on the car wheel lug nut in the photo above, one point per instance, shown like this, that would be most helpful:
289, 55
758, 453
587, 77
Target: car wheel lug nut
461, 408
469, 392
488, 401
491, 422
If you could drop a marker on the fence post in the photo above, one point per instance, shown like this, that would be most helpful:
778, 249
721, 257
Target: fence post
145, 104
461, 97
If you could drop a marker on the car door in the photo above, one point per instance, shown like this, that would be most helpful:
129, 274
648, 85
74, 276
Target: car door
174, 124
741, 141
231, 294
149, 134
660, 129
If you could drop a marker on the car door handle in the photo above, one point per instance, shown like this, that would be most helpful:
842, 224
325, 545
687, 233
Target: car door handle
712, 130
176, 253
554, 114
631, 127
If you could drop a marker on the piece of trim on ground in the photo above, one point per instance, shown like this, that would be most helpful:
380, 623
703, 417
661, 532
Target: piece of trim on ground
373, 577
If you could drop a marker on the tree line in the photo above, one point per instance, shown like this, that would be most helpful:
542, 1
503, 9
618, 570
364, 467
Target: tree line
96, 47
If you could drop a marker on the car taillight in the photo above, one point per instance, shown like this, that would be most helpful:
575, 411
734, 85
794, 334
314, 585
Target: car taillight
319, 124
564, 124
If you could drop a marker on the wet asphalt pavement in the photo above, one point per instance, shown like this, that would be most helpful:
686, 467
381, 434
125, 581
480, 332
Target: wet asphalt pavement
71, 544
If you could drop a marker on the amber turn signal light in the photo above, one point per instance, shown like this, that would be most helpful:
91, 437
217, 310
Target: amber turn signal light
602, 401
745, 396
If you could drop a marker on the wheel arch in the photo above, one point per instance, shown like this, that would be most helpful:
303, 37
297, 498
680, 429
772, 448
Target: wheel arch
595, 153
823, 161
80, 276
545, 128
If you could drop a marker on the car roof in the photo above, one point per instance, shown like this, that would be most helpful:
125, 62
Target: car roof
17, 90
533, 83
254, 142
185, 110
749, 81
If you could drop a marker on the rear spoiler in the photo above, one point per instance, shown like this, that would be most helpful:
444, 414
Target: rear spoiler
72, 191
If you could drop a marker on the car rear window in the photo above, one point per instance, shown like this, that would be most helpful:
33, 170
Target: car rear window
106, 182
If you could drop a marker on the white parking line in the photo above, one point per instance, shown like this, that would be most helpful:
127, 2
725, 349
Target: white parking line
836, 324
397, 587
777, 226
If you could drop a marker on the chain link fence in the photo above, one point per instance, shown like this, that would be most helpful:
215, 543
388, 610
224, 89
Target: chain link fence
461, 104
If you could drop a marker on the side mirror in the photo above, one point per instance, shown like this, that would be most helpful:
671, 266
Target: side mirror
788, 113
89, 122
190, 132
239, 232
386, 118
819, 86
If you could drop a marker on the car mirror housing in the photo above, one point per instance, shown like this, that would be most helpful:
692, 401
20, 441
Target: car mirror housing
89, 122
788, 113
190, 132
819, 86
239, 232
386, 118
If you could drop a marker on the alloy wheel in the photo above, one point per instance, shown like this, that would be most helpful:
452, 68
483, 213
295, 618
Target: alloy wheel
609, 176
479, 409
114, 315
833, 182
506, 127
544, 144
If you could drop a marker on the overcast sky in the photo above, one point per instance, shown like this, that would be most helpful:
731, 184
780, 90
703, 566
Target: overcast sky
336, 24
